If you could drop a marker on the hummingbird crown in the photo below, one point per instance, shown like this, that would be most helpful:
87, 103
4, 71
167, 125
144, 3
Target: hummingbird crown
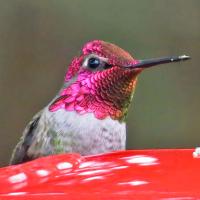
98, 82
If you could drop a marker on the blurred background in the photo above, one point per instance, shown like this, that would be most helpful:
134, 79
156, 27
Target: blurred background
39, 38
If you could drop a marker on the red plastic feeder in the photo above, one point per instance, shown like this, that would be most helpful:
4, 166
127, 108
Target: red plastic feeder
125, 175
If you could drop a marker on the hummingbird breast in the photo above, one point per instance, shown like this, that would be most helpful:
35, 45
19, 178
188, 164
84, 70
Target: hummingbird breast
68, 131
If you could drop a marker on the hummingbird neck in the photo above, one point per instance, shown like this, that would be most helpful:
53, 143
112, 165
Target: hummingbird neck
105, 93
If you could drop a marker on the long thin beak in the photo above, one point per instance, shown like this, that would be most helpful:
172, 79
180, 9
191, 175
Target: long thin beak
157, 61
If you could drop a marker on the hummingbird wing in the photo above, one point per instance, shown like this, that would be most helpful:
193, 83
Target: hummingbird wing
19, 154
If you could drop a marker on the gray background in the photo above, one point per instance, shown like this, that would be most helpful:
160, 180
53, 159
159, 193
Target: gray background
39, 38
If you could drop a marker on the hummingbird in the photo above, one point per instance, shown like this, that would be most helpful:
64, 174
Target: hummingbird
88, 114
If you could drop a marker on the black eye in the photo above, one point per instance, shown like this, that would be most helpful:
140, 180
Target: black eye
94, 63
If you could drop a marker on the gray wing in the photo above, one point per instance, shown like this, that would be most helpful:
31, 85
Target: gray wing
19, 154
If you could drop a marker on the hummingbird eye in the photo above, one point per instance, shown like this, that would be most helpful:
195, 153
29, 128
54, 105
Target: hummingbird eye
94, 63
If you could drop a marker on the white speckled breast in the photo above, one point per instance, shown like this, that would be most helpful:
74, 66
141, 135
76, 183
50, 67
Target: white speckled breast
82, 134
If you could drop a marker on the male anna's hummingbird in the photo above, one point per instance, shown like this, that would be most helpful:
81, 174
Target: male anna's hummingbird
88, 114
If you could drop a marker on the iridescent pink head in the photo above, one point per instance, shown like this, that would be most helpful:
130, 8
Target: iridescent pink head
102, 81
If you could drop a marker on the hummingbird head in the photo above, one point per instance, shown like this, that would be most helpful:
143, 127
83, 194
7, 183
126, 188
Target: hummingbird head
102, 80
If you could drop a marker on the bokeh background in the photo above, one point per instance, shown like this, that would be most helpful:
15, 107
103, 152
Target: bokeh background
39, 38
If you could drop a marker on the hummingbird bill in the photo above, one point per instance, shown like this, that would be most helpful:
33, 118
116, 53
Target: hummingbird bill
88, 115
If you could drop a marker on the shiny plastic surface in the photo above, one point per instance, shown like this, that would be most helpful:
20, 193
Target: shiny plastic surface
125, 175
